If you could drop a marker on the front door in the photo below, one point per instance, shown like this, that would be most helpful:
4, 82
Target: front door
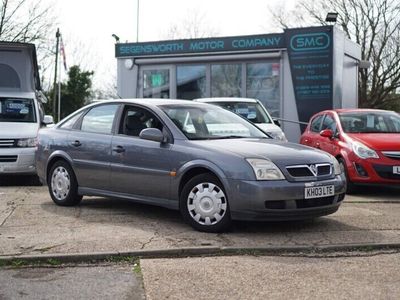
140, 167
157, 82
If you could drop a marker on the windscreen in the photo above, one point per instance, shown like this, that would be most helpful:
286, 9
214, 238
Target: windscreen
251, 111
210, 122
17, 110
370, 122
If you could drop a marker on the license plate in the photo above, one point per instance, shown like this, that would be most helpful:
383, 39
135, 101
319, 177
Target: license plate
319, 191
396, 169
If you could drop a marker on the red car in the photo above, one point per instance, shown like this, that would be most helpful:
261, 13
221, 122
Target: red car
366, 143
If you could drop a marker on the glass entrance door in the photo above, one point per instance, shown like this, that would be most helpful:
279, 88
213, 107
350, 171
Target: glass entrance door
155, 82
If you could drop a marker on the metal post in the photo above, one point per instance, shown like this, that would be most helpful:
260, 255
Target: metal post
137, 22
55, 75
59, 91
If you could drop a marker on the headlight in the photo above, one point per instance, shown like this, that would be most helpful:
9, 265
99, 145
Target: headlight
336, 166
265, 169
31, 142
363, 151
278, 135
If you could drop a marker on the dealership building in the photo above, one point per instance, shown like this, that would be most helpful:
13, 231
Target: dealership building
294, 74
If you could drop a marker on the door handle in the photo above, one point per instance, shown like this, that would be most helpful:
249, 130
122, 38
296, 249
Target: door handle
119, 149
76, 143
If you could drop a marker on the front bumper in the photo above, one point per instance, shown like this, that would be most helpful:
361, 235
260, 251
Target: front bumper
281, 200
17, 161
373, 171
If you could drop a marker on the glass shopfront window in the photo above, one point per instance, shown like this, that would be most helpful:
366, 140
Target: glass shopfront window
252, 79
191, 82
156, 83
262, 83
226, 80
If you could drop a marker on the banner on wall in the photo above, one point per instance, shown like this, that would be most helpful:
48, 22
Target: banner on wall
310, 53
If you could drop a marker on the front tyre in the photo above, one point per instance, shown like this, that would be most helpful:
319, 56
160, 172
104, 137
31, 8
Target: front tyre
62, 184
204, 204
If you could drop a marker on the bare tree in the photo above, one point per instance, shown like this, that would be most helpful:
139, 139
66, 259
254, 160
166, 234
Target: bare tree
30, 22
193, 26
24, 21
375, 25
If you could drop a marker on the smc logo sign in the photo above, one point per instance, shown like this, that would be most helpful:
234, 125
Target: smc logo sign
310, 42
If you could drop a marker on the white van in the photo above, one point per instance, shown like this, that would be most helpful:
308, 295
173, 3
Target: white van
251, 109
21, 109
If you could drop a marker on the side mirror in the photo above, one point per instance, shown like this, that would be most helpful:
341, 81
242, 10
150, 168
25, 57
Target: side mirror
326, 133
276, 122
48, 120
152, 134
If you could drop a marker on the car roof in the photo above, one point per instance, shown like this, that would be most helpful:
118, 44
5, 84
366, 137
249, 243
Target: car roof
226, 99
148, 101
359, 110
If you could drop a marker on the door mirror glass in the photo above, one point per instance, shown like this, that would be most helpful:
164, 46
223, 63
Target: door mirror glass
152, 134
326, 133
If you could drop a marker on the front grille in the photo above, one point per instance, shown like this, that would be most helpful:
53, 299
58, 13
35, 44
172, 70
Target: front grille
7, 143
386, 172
324, 170
299, 171
8, 158
392, 154
312, 170
302, 203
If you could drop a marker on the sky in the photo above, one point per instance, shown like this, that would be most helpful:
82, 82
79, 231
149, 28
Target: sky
87, 25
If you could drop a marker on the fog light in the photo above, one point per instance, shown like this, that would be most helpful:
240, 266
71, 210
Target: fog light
360, 170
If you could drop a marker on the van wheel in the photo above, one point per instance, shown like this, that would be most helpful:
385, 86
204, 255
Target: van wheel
350, 187
204, 204
62, 184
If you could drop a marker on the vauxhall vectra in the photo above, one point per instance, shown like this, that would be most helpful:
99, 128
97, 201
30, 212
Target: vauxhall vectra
211, 164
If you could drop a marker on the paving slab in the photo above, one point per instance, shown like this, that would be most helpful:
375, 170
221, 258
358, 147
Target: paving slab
31, 224
116, 281
264, 277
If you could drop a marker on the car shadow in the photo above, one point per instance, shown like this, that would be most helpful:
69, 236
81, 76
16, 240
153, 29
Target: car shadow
370, 192
19, 180
107, 210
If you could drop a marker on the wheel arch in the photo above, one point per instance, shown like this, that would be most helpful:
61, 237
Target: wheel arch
56, 156
195, 168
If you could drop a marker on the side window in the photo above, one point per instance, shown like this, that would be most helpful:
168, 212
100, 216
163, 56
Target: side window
316, 124
329, 123
69, 124
135, 119
99, 119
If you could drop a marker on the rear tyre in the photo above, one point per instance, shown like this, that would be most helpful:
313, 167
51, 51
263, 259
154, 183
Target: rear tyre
204, 204
350, 187
62, 184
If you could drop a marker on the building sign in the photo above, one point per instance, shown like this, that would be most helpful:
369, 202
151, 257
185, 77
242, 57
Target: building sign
310, 52
311, 56
240, 43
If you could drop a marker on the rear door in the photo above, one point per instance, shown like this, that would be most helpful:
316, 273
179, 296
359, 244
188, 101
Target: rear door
90, 146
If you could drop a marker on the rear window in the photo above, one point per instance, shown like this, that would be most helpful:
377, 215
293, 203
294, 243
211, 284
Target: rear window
251, 111
17, 110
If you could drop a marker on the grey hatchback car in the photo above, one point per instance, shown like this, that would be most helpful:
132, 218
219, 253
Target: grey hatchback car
211, 164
